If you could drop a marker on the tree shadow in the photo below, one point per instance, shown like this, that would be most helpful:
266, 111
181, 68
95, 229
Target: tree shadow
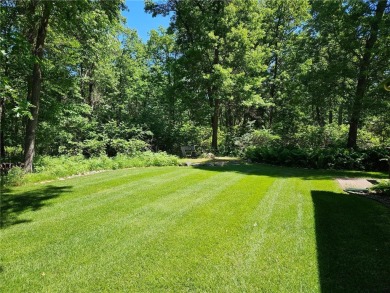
284, 172
12, 205
353, 243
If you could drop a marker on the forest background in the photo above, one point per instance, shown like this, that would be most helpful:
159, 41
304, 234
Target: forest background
285, 82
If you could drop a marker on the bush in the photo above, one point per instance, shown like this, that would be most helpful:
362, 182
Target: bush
49, 168
255, 138
15, 177
130, 147
382, 188
189, 134
319, 158
312, 136
93, 147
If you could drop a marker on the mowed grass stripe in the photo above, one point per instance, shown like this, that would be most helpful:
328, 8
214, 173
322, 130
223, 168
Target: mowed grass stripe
84, 182
92, 233
78, 213
78, 192
89, 186
278, 244
84, 200
227, 239
213, 231
55, 228
237, 228
228, 229
138, 235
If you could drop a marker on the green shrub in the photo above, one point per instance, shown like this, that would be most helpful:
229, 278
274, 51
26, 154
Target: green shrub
312, 136
130, 147
319, 158
382, 187
263, 138
15, 176
188, 133
49, 168
93, 147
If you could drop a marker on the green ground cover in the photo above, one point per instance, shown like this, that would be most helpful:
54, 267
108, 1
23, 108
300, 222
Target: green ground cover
238, 228
50, 168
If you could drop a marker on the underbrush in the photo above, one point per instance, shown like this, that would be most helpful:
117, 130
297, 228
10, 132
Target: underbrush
49, 168
320, 158
382, 187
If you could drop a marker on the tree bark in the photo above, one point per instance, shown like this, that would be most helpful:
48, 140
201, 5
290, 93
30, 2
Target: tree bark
274, 74
362, 81
2, 121
229, 116
319, 117
35, 90
273, 89
215, 120
90, 93
330, 117
216, 105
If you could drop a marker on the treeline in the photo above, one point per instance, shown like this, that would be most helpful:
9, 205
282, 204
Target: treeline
227, 76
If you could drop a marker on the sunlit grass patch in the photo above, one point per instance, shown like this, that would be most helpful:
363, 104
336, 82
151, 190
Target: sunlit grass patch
237, 228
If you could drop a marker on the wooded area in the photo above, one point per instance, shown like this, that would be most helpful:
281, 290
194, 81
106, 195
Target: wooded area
230, 76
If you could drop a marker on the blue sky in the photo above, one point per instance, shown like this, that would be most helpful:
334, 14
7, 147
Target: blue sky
141, 21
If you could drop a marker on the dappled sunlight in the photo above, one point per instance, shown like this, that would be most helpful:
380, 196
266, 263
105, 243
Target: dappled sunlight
15, 204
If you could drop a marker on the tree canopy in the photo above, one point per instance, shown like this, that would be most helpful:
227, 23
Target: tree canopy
227, 73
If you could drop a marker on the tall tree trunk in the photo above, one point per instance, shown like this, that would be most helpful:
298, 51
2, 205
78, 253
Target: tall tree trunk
6, 28
90, 93
273, 89
362, 81
82, 91
229, 116
2, 120
273, 86
215, 105
215, 118
35, 90
319, 118
330, 114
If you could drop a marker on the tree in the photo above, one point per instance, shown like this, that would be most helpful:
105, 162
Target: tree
358, 28
36, 37
221, 57
364, 66
35, 18
283, 24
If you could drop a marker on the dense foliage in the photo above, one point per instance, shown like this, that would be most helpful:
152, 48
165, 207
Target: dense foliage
382, 187
319, 158
300, 80
49, 168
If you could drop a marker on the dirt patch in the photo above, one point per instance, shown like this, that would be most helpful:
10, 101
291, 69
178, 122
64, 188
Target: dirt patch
354, 183
362, 183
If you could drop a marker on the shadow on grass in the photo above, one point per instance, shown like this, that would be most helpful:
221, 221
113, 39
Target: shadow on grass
14, 204
353, 243
285, 172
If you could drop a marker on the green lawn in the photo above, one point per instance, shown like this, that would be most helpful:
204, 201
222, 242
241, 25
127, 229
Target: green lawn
172, 229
